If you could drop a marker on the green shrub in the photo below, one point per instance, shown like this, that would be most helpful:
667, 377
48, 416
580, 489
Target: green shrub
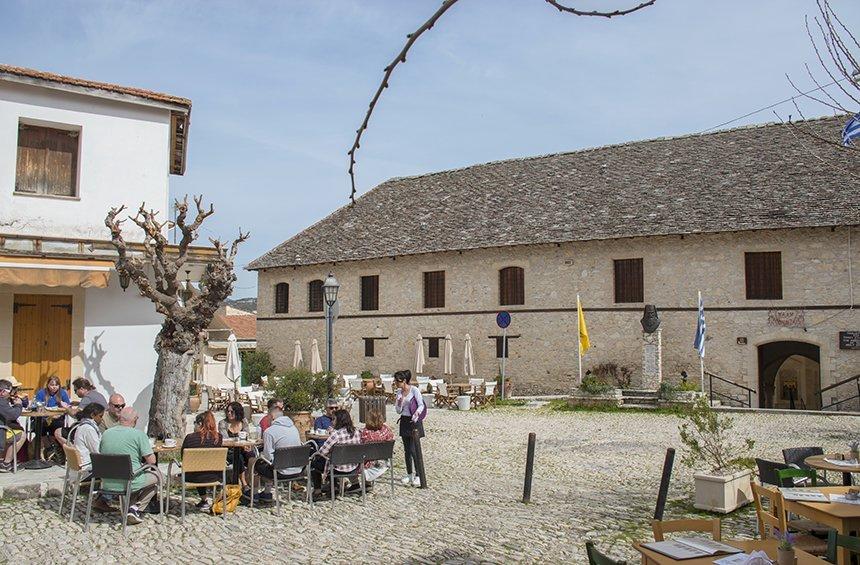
595, 385
366, 375
612, 373
301, 390
709, 441
255, 364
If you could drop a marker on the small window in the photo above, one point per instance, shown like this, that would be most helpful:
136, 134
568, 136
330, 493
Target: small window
282, 298
629, 281
502, 349
315, 296
434, 289
368, 347
764, 275
47, 161
512, 286
433, 347
370, 292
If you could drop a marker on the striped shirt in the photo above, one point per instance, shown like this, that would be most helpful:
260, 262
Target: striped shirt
340, 436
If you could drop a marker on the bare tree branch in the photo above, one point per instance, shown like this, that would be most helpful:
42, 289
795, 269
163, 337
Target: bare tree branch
575, 12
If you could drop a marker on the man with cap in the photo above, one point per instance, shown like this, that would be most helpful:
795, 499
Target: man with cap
10, 411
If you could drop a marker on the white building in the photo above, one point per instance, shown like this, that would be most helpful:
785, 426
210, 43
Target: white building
71, 149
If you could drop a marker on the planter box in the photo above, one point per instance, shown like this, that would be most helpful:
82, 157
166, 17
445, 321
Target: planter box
610, 399
722, 493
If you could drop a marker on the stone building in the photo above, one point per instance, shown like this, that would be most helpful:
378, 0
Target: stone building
759, 219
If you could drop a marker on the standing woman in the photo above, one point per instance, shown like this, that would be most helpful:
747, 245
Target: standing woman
410, 405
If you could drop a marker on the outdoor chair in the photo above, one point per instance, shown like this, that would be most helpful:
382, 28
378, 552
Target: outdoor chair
381, 451
796, 457
773, 518
767, 472
476, 384
597, 558
661, 527
422, 383
218, 399
346, 454
356, 387
444, 398
490, 391
801, 477
73, 479
3, 445
835, 540
285, 458
388, 387
118, 468
194, 460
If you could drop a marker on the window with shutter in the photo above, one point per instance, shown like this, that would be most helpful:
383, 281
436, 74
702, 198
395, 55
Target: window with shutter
282, 298
47, 161
370, 292
368, 346
512, 286
503, 349
433, 346
434, 289
763, 275
629, 281
315, 296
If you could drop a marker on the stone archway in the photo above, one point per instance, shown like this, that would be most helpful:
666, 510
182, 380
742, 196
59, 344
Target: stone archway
789, 375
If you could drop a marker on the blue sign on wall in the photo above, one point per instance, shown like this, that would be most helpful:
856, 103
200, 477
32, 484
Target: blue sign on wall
503, 319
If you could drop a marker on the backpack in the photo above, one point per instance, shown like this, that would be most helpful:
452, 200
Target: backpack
234, 495
413, 406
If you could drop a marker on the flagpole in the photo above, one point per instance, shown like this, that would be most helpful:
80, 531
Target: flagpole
701, 357
578, 339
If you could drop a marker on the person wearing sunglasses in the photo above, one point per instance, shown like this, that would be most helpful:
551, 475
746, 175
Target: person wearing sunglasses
116, 403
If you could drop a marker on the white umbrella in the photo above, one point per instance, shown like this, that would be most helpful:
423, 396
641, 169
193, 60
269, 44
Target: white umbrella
449, 356
233, 366
419, 355
316, 363
468, 363
297, 355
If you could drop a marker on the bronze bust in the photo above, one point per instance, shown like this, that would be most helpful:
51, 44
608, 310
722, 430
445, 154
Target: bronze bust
650, 320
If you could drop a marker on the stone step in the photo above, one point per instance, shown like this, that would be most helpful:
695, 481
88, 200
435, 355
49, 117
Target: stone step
640, 406
640, 400
638, 393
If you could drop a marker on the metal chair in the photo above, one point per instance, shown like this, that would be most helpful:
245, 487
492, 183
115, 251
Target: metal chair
835, 540
347, 454
73, 479
597, 558
196, 460
796, 457
118, 468
381, 451
3, 445
767, 472
286, 458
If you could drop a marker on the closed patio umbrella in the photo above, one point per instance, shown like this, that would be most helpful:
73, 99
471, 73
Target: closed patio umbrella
419, 355
316, 363
233, 366
468, 363
449, 356
297, 355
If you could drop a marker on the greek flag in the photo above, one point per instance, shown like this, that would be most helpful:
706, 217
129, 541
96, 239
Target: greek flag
851, 131
699, 342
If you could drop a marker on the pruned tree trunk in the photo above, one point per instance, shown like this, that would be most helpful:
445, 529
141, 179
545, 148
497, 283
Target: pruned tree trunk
187, 311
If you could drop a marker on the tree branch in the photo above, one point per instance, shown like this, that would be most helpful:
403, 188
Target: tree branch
612, 14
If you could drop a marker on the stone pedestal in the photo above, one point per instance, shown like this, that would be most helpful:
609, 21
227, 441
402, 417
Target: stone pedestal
652, 361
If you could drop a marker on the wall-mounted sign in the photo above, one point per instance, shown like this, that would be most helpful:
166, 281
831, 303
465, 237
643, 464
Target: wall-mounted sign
849, 340
786, 318
742, 341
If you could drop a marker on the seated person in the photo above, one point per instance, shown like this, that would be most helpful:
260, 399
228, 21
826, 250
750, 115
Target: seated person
86, 437
230, 427
271, 405
375, 430
52, 396
10, 411
88, 394
325, 421
282, 433
205, 434
344, 432
116, 403
16, 392
126, 439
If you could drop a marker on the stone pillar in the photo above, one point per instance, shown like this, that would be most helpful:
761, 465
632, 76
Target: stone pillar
652, 361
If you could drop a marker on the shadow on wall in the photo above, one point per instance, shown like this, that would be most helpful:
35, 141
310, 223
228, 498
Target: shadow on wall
141, 406
93, 366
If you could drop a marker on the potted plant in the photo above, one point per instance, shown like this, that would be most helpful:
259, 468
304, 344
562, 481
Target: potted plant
784, 547
302, 393
194, 397
708, 441
368, 381
595, 392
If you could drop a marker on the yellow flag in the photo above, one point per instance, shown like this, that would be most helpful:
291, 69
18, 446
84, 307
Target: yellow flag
584, 342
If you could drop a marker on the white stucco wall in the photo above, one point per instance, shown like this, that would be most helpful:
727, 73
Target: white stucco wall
123, 160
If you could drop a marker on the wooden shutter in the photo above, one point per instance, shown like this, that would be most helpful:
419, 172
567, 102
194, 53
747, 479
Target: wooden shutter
512, 286
500, 351
368, 347
47, 161
370, 292
282, 298
763, 275
315, 296
433, 347
629, 281
434, 289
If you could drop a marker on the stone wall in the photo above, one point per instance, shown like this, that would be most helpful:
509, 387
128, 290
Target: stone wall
543, 356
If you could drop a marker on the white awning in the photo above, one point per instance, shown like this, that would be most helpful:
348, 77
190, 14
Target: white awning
37, 271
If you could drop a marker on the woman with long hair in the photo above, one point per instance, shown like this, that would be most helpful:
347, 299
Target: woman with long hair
205, 434
410, 405
230, 427
52, 395
344, 432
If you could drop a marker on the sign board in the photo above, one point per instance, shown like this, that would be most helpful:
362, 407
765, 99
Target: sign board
786, 318
849, 340
503, 319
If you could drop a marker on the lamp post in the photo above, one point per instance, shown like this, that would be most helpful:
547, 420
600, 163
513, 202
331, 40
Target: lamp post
330, 288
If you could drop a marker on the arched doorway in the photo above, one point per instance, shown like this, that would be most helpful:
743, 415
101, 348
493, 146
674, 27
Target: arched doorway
789, 375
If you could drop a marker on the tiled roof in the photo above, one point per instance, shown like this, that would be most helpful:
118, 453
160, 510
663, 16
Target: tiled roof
244, 326
760, 177
83, 83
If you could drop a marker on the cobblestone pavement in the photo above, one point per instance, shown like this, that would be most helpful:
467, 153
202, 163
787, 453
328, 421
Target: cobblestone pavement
596, 477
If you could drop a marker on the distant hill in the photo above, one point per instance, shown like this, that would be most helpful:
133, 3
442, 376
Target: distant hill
246, 304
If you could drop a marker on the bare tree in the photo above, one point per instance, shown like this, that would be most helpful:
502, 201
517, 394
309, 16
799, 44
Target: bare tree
427, 25
157, 275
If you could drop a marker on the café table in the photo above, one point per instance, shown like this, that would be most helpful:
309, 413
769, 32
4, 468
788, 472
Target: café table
819, 462
844, 518
467, 387
650, 557
238, 446
160, 448
37, 418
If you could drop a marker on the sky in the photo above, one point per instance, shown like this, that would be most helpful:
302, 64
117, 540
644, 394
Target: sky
279, 88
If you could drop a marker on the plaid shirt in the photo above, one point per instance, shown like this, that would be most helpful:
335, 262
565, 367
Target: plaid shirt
340, 436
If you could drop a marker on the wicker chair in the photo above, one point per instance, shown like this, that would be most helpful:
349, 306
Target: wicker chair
194, 460
73, 479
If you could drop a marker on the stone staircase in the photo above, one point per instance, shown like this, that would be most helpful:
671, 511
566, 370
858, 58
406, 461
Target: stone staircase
632, 398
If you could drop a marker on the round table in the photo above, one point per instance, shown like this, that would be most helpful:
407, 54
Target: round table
37, 417
818, 462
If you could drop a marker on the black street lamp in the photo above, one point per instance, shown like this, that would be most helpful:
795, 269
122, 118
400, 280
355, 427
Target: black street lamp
330, 288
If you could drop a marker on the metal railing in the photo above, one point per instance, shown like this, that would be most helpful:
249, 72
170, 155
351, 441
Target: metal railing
749, 391
820, 393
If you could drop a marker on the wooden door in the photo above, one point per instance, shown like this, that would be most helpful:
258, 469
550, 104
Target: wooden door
41, 338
